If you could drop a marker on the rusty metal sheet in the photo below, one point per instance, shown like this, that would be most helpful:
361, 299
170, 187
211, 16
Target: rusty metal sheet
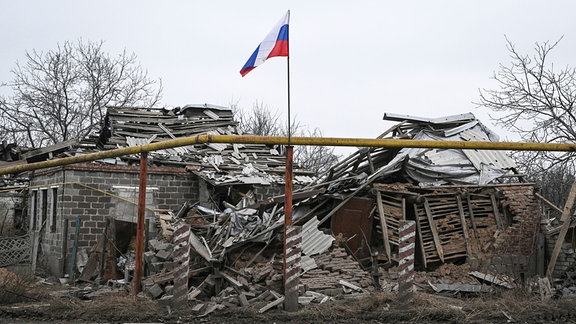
354, 221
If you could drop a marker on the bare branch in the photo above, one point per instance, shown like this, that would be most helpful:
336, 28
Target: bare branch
536, 102
63, 94
262, 121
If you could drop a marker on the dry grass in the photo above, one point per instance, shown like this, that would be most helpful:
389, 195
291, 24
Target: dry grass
499, 307
15, 288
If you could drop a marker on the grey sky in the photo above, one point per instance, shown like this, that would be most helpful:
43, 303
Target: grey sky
350, 61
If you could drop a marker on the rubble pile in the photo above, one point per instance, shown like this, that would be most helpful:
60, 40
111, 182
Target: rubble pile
350, 218
236, 261
472, 217
333, 268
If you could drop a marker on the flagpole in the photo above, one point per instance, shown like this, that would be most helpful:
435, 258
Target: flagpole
290, 244
288, 84
276, 44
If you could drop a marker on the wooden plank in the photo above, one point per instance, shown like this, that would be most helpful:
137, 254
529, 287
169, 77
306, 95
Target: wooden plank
272, 304
383, 225
421, 239
464, 225
472, 221
493, 279
548, 203
49, 149
403, 208
499, 220
565, 226
349, 285
235, 283
434, 230
569, 203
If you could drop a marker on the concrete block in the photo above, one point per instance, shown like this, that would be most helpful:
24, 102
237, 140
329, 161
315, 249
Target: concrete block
163, 254
155, 291
198, 307
153, 244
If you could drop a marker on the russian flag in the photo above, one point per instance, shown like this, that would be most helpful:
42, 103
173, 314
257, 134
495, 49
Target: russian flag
275, 44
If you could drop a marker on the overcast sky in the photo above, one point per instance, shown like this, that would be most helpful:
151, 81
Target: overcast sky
350, 61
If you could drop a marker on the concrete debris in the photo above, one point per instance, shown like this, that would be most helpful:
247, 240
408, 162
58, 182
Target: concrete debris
476, 220
461, 288
504, 282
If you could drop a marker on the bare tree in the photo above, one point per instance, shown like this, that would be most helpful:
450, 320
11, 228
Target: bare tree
537, 102
262, 121
316, 158
554, 184
62, 94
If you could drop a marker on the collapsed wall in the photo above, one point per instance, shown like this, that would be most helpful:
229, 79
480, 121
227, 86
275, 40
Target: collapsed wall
493, 228
517, 246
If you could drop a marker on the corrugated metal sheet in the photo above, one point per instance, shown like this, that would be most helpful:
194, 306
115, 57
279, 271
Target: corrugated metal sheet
204, 106
474, 134
440, 120
446, 157
313, 240
498, 159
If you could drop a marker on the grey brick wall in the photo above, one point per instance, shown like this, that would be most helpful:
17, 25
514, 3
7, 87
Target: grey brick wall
86, 192
566, 258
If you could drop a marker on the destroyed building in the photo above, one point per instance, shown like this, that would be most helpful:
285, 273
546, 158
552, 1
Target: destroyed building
470, 206
68, 205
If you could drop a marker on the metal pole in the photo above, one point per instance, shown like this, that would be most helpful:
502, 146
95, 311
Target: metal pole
288, 83
288, 224
283, 140
140, 224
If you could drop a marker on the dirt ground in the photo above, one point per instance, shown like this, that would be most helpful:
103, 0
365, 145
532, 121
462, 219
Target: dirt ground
35, 300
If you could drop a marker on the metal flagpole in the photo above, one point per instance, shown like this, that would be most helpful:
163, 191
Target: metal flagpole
291, 238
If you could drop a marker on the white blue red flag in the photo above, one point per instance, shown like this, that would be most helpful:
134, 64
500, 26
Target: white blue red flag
275, 44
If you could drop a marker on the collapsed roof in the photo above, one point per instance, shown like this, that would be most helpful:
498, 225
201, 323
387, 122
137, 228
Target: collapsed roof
217, 163
426, 166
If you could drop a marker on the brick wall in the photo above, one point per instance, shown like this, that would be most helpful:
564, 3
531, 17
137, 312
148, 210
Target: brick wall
86, 191
515, 246
566, 258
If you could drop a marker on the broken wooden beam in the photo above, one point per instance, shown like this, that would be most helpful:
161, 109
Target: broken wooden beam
272, 304
383, 225
565, 226
235, 283
434, 230
349, 285
493, 279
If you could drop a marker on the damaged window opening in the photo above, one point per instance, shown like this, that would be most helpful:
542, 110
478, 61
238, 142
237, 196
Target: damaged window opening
33, 209
53, 209
44, 208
